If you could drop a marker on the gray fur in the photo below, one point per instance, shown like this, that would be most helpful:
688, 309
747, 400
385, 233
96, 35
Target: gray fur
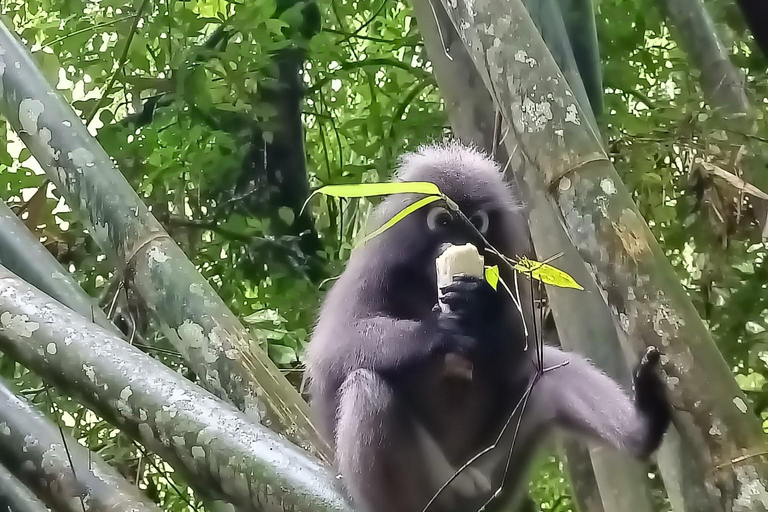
398, 426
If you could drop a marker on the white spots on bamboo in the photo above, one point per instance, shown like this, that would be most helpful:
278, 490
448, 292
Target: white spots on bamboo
715, 429
664, 318
531, 116
196, 289
124, 408
51, 349
198, 452
51, 153
565, 183
752, 491
81, 158
740, 404
495, 58
572, 114
170, 410
624, 321
89, 372
156, 254
216, 338
145, 433
18, 325
70, 336
30, 441
5, 429
100, 229
607, 185
253, 407
470, 4
522, 56
672, 382
29, 113
191, 334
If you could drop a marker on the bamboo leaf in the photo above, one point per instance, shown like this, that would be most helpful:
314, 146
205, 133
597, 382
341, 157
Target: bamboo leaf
424, 201
547, 274
376, 189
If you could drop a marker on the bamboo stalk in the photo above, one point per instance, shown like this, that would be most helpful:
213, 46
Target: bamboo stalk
632, 274
212, 341
221, 453
60, 470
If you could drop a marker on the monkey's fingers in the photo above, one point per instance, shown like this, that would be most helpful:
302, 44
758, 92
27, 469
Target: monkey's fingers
457, 301
649, 363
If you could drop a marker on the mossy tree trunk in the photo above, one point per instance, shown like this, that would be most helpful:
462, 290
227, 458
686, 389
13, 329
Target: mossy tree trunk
632, 274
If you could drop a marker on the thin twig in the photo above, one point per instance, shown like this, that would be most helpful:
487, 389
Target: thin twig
88, 29
64, 441
120, 63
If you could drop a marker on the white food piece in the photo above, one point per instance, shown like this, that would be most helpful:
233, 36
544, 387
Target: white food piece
457, 260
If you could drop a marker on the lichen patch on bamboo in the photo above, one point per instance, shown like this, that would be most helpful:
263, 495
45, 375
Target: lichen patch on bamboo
751, 490
18, 325
29, 113
572, 114
740, 404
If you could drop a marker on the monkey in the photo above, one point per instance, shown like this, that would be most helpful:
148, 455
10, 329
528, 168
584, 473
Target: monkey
401, 424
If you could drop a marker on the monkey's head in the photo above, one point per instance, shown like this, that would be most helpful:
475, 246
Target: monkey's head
407, 251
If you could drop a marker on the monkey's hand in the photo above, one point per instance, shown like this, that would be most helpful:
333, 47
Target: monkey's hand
474, 314
651, 398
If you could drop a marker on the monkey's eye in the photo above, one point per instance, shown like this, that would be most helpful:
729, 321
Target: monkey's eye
438, 217
480, 221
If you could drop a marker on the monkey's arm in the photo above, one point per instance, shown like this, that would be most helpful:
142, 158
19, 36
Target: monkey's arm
587, 401
386, 344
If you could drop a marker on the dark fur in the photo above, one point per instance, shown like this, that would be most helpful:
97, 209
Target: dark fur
399, 424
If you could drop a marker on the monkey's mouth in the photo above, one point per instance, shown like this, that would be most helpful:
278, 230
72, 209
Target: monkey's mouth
443, 247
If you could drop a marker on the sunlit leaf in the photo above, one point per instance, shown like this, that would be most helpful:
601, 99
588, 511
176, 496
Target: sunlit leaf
492, 276
378, 189
547, 274
400, 216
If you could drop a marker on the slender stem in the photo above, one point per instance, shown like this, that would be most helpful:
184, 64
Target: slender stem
88, 29
120, 63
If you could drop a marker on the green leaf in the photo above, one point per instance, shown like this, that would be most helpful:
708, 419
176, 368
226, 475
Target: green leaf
281, 354
286, 215
547, 274
264, 315
424, 201
492, 276
379, 189
24, 155
376, 189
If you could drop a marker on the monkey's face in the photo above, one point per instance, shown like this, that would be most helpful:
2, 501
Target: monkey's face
447, 227
417, 240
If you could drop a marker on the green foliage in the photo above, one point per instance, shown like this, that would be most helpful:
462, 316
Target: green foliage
193, 105
659, 128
